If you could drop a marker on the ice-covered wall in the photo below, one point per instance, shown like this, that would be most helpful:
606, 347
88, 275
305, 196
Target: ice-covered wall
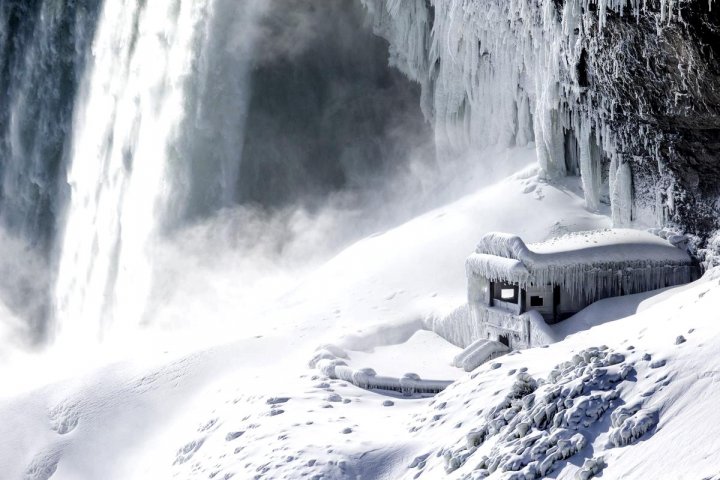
587, 265
621, 92
477, 321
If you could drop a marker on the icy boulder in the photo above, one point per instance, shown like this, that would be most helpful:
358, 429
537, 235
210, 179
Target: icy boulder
629, 424
591, 467
541, 422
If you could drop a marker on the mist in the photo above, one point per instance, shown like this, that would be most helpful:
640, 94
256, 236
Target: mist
282, 137
325, 142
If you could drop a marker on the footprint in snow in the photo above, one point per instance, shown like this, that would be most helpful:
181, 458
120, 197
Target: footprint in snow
43, 466
64, 418
187, 451
658, 364
233, 435
649, 393
208, 425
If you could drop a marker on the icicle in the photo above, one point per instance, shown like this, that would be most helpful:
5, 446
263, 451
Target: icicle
621, 193
589, 168
490, 68
594, 265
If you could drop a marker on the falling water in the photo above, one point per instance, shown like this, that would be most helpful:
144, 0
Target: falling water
127, 125
128, 172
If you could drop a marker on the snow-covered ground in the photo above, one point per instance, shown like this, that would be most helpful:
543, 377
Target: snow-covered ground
250, 406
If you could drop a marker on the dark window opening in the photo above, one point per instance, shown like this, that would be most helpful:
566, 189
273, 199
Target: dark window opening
536, 301
582, 70
504, 340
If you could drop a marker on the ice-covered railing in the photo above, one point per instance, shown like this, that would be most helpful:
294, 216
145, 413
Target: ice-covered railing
590, 265
509, 72
330, 361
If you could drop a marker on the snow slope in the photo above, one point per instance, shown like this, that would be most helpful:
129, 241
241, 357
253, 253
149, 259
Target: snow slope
250, 406
668, 356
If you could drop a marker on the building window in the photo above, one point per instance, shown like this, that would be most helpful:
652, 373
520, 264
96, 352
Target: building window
506, 292
536, 301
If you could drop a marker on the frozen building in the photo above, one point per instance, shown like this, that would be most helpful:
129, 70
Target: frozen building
515, 290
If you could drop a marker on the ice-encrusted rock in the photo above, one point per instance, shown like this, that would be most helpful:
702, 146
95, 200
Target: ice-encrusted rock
629, 424
541, 422
591, 467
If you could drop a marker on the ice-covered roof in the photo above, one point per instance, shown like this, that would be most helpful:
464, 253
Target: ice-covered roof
604, 261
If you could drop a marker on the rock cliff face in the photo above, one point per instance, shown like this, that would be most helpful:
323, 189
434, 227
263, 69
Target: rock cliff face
664, 84
623, 93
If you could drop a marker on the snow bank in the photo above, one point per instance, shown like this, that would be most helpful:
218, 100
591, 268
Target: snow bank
466, 325
457, 328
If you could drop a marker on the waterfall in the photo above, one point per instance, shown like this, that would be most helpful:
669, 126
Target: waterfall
43, 47
143, 102
126, 125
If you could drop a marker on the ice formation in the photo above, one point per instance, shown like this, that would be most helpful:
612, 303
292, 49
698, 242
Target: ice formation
463, 327
629, 424
542, 422
508, 72
591, 265
329, 360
